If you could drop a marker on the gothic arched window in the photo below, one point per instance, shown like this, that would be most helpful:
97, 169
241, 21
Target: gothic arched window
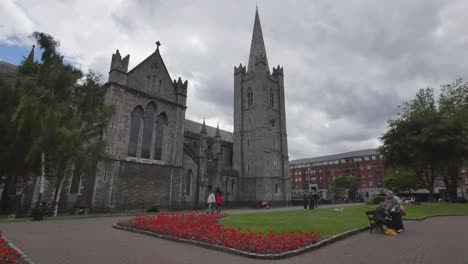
188, 182
148, 130
158, 144
136, 117
249, 97
272, 98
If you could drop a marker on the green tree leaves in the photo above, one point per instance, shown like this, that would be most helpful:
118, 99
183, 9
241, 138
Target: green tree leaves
430, 136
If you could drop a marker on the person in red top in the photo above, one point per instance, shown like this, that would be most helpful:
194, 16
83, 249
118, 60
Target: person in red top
219, 200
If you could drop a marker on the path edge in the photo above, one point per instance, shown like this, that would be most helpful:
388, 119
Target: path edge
23, 256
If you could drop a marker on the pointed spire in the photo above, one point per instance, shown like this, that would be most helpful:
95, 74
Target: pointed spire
31, 54
203, 130
257, 47
217, 131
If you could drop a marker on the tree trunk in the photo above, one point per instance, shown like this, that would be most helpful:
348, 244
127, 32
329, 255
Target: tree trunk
58, 190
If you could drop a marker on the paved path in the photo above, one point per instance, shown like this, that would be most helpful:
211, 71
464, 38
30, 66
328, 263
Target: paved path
79, 241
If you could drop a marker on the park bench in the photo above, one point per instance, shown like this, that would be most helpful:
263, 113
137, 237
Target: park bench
372, 223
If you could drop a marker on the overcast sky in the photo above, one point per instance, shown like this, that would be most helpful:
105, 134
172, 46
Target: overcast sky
347, 64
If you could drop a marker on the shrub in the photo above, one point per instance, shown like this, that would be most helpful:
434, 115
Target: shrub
376, 199
205, 228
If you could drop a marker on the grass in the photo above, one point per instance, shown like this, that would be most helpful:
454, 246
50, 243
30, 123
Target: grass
4, 218
327, 221
432, 209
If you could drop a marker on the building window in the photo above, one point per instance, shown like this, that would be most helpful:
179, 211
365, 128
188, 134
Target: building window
371, 184
136, 119
160, 127
272, 98
232, 185
277, 189
250, 98
148, 130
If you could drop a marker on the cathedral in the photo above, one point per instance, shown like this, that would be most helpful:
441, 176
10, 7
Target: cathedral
158, 158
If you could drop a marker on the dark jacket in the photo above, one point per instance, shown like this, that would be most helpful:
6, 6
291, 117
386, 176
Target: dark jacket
380, 215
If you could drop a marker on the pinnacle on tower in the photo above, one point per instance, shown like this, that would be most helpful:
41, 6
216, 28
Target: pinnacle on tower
257, 47
31, 54
203, 130
217, 131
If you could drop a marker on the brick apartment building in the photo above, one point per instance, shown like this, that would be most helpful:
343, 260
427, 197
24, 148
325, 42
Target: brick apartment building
317, 174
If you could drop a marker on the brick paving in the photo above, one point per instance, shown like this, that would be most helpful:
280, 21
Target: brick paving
79, 241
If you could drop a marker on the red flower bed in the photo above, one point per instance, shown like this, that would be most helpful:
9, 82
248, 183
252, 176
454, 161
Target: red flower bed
205, 228
7, 254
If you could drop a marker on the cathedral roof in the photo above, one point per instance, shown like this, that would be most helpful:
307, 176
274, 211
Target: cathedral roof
257, 47
196, 127
6, 67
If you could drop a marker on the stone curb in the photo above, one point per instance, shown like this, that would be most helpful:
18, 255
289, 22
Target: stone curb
287, 254
24, 258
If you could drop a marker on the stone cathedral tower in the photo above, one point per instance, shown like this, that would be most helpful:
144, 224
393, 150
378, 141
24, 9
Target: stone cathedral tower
260, 148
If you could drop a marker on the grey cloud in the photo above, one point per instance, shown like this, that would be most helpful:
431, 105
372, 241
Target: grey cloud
347, 64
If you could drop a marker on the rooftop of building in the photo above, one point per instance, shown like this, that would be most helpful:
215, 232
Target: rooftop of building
196, 127
351, 154
6, 67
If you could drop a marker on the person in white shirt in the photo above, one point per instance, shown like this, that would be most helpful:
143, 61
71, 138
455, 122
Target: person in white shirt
211, 202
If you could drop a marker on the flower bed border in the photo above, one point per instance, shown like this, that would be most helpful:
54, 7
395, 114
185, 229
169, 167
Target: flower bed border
24, 259
283, 255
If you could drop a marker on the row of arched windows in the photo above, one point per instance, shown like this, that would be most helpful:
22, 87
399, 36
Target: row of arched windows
250, 97
153, 132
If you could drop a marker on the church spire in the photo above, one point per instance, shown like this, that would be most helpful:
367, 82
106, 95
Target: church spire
203, 130
31, 54
217, 131
257, 48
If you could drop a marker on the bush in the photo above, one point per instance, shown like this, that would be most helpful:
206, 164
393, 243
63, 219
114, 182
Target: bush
376, 199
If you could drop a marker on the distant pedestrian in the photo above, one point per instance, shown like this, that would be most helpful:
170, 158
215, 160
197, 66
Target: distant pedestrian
311, 201
346, 198
316, 200
306, 201
211, 202
219, 200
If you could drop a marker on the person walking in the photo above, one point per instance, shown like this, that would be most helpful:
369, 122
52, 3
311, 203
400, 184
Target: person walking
219, 200
316, 199
306, 201
394, 207
311, 201
211, 202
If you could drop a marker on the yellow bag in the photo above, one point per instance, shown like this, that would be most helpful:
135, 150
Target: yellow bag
390, 232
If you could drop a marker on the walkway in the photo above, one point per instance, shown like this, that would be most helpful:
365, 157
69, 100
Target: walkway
93, 240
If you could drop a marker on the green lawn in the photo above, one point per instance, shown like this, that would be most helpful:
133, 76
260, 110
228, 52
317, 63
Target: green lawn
327, 221
431, 209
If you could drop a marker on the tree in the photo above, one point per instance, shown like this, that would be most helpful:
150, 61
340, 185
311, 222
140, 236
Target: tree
430, 137
453, 104
344, 185
59, 109
401, 181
